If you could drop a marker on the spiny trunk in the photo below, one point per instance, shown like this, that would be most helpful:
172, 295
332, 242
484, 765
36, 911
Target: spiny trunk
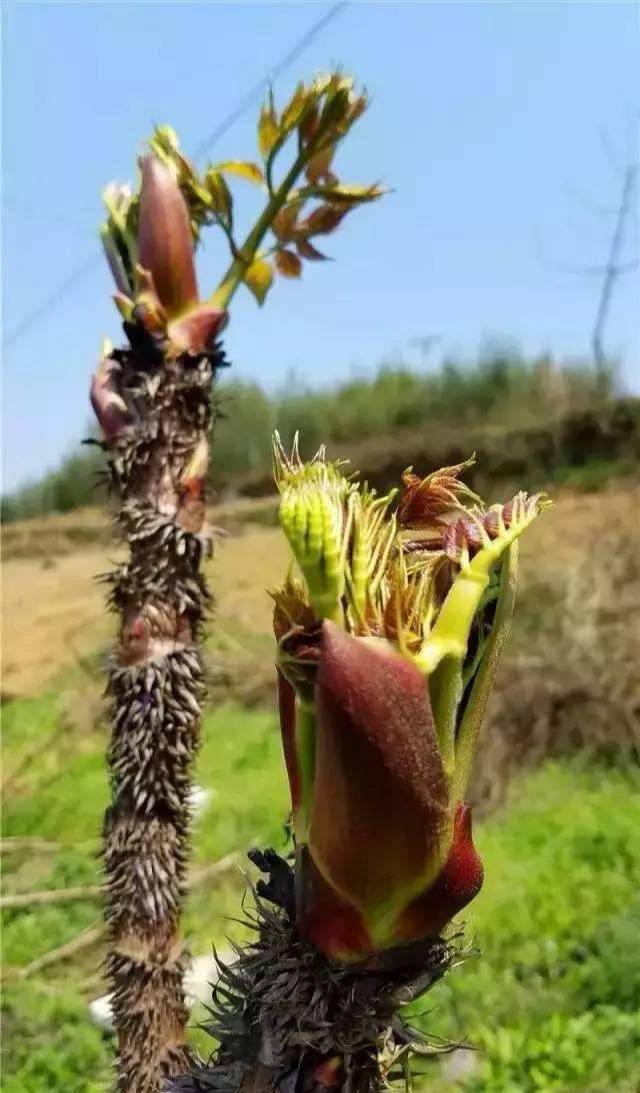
156, 691
287, 1020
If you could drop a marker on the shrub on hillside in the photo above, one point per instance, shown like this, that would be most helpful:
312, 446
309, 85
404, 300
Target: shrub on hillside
500, 390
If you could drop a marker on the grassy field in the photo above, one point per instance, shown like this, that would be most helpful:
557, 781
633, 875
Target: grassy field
552, 1002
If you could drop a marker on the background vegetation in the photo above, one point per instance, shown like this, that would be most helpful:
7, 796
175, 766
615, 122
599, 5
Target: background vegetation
557, 416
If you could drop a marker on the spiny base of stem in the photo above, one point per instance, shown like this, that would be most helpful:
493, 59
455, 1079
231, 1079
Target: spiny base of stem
289, 1020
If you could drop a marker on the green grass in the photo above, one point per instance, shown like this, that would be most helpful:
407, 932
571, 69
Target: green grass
593, 475
553, 1001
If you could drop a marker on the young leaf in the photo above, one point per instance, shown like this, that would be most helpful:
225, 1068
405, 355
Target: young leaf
283, 226
258, 279
358, 108
337, 102
197, 194
309, 121
238, 167
348, 195
318, 168
268, 130
295, 108
307, 250
116, 262
166, 146
474, 713
288, 264
324, 219
165, 142
221, 199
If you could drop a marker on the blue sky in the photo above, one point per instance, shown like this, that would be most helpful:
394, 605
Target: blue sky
485, 120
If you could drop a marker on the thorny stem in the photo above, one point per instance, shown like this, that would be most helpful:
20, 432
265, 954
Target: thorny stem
156, 687
282, 1013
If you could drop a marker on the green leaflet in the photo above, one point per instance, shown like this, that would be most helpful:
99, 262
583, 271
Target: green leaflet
473, 716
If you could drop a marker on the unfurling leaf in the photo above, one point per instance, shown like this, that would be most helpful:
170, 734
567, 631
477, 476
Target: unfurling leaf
106, 400
221, 199
391, 676
115, 260
198, 195
258, 278
239, 167
165, 145
309, 121
268, 130
283, 226
125, 305
295, 108
165, 245
358, 107
376, 740
318, 168
336, 108
288, 264
307, 250
196, 331
118, 201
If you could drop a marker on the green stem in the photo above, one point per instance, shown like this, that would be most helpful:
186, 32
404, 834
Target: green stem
450, 634
236, 271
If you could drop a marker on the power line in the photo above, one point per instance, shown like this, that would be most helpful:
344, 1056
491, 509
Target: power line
271, 75
92, 260
44, 307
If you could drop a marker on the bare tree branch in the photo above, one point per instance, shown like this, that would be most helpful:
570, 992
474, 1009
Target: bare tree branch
616, 265
53, 895
95, 891
85, 940
613, 269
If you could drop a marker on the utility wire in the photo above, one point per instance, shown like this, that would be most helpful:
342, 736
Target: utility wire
274, 72
92, 260
45, 306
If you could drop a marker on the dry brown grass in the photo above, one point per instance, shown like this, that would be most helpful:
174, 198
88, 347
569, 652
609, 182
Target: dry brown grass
60, 534
571, 684
53, 609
